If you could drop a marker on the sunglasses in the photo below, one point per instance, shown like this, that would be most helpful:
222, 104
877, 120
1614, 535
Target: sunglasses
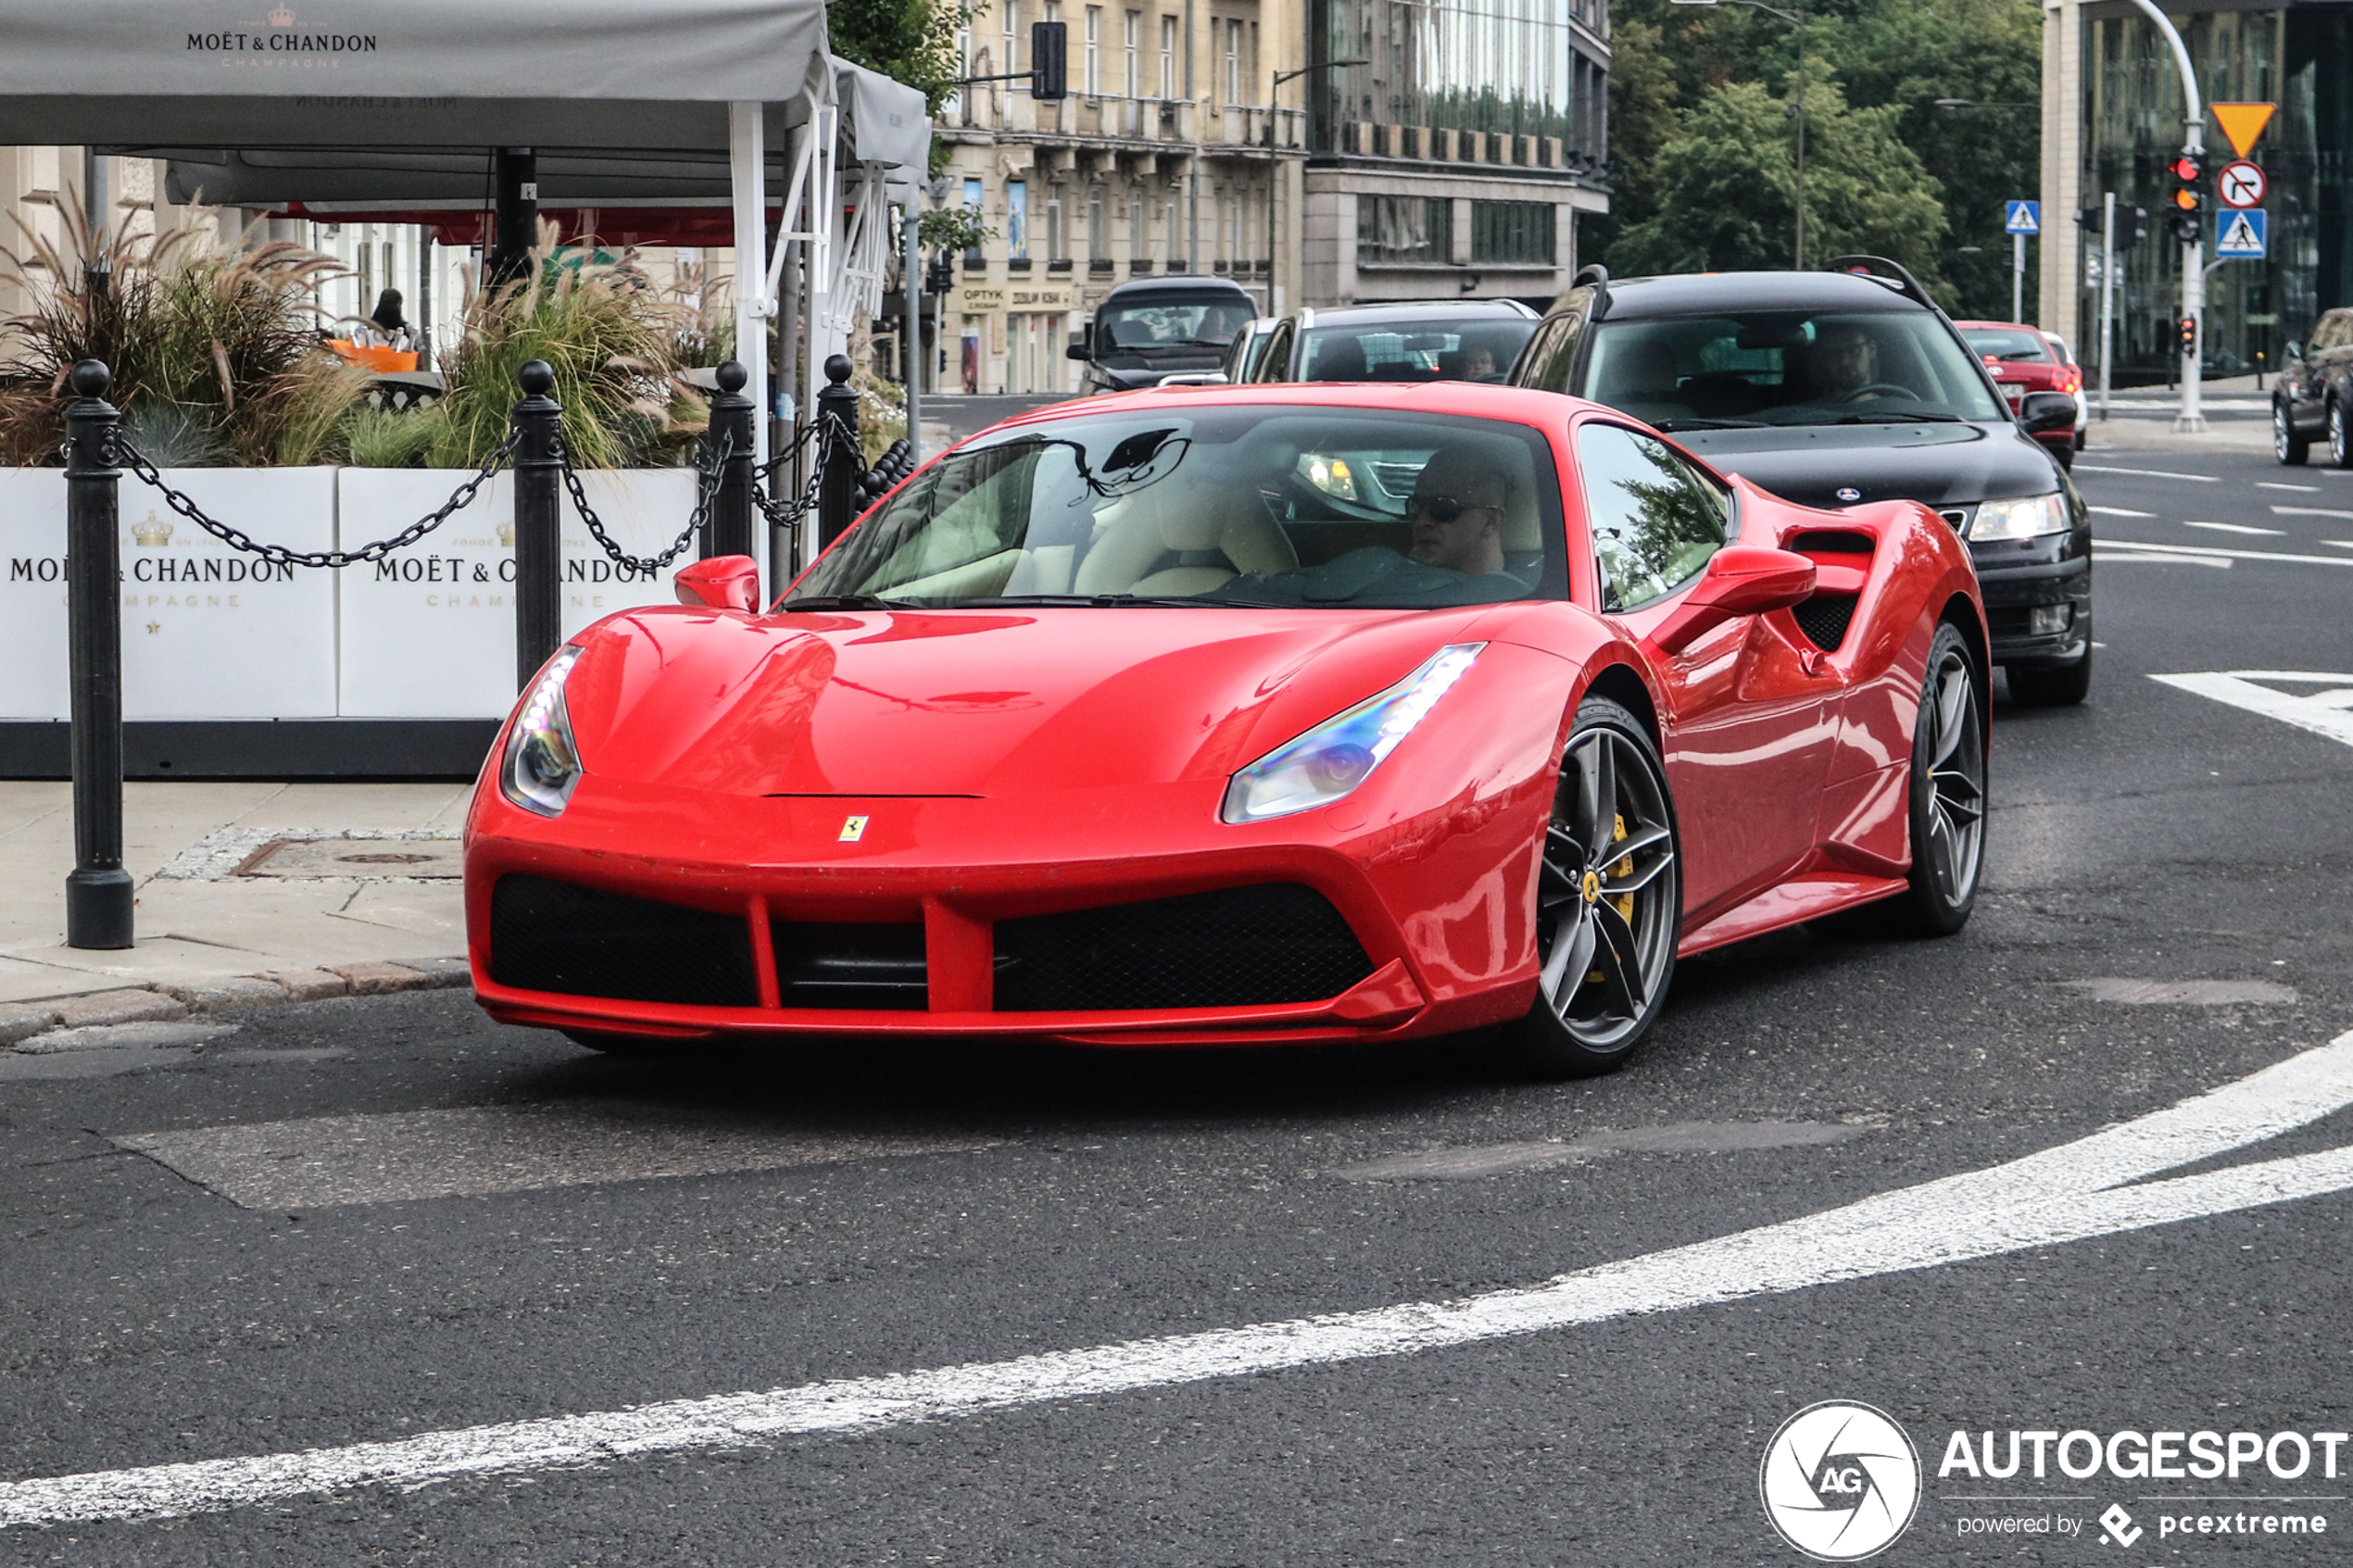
1442, 509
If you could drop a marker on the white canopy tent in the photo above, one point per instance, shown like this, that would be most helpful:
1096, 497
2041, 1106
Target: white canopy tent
645, 76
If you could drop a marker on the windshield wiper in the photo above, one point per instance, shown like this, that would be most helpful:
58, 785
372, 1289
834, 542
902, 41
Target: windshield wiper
1895, 418
1089, 601
845, 601
1711, 424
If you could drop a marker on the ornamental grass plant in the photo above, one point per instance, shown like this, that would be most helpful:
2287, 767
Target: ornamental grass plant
214, 349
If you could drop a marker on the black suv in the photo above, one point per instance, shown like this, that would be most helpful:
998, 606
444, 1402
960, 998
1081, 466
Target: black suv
1841, 387
1148, 330
2314, 396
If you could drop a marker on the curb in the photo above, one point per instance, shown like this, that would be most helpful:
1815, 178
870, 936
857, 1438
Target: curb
160, 1003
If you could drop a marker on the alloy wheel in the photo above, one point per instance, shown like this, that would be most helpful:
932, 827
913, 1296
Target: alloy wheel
1955, 779
1605, 898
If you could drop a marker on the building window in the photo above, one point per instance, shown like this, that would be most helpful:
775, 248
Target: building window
973, 257
1017, 219
1098, 234
1094, 51
1514, 231
1167, 57
1057, 245
1233, 62
1404, 231
1133, 38
1012, 23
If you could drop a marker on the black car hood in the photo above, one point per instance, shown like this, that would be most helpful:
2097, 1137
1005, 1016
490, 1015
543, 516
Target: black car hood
1943, 465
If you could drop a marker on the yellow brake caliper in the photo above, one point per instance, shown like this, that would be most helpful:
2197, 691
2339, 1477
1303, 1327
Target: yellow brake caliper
1625, 901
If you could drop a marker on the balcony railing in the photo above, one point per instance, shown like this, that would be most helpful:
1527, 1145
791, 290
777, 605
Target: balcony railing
1113, 117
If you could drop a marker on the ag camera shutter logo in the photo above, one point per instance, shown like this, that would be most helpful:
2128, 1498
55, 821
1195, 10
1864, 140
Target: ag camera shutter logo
1840, 1481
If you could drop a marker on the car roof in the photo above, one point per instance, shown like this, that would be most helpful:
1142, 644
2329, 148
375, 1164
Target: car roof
2001, 327
1422, 311
1476, 399
1696, 294
1182, 286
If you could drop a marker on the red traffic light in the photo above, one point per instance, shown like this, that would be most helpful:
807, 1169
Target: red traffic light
2186, 170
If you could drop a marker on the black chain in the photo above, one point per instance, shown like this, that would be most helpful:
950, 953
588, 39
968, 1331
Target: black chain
646, 566
277, 555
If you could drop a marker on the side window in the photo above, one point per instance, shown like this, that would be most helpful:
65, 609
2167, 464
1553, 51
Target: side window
2333, 332
1551, 355
1655, 520
1274, 364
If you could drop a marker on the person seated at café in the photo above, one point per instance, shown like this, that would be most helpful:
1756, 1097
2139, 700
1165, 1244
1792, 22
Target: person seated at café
385, 327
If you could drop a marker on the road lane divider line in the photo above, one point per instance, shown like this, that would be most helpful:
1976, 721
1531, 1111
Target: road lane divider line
2238, 689
2120, 511
2147, 473
2220, 552
2239, 528
2312, 511
2074, 1192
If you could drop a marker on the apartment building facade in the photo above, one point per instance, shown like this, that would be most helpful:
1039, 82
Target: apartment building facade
1170, 156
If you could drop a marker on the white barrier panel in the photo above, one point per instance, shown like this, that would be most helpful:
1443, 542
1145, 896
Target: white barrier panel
208, 632
429, 633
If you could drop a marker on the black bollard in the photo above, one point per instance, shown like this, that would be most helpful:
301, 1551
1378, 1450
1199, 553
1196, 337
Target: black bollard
538, 525
728, 531
837, 444
97, 890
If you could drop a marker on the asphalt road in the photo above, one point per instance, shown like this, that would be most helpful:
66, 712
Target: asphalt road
469, 1225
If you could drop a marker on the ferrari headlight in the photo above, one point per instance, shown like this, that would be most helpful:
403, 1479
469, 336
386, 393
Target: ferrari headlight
542, 766
1342, 752
2026, 517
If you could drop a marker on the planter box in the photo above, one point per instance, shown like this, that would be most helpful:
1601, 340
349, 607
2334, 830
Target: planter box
210, 632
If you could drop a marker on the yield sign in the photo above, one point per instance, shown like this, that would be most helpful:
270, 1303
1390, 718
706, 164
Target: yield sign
2241, 184
2242, 123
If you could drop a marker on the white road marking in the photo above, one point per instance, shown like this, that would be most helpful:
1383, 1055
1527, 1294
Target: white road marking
2270, 485
2311, 511
2220, 552
2148, 473
2237, 528
2340, 543
2186, 993
2120, 511
2238, 688
2127, 558
2070, 1193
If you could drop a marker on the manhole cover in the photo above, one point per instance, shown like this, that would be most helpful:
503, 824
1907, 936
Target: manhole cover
297, 858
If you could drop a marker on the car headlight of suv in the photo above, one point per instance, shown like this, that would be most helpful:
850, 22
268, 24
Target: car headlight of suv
2025, 517
541, 765
1340, 753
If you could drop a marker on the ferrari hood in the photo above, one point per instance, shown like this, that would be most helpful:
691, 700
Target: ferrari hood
988, 703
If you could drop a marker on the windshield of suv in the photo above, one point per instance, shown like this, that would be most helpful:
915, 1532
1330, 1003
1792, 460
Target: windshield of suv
1444, 350
2007, 343
1171, 326
1787, 368
1272, 505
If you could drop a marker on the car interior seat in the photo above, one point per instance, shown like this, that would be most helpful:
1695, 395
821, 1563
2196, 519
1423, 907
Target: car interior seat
1185, 535
1338, 359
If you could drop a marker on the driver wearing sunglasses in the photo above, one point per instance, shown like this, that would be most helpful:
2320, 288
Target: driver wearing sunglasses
1457, 515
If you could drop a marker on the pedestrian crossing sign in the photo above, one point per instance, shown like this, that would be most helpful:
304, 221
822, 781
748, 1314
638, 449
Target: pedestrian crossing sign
2240, 234
2024, 217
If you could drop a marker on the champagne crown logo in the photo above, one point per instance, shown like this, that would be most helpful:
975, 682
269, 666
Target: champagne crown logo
282, 17
152, 532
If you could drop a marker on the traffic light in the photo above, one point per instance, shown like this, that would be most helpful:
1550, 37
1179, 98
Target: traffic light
1049, 55
2131, 226
2187, 221
2189, 335
941, 276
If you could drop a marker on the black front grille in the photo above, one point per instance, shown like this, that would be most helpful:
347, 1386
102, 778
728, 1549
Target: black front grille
1824, 619
850, 966
1238, 946
584, 942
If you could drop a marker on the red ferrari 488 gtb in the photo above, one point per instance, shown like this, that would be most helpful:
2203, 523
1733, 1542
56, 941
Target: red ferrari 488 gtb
1211, 716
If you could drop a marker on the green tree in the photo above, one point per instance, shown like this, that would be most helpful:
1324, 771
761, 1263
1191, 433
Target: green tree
1724, 188
909, 41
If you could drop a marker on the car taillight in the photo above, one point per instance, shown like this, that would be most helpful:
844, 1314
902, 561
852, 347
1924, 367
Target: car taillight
2071, 379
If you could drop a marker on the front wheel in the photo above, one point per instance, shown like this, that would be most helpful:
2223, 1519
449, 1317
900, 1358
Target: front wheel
2286, 446
2340, 439
1609, 902
1948, 787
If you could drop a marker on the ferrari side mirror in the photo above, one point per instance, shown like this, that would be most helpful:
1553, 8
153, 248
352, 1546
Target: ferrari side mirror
1740, 580
721, 583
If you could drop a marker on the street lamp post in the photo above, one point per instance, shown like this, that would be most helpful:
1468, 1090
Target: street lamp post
1797, 108
2193, 414
1273, 91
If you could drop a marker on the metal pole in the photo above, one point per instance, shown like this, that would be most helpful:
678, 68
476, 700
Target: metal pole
98, 903
2017, 277
911, 273
729, 530
838, 451
517, 207
2107, 293
1800, 263
2193, 414
539, 523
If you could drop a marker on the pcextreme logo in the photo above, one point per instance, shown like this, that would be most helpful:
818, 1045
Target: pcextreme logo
1840, 1481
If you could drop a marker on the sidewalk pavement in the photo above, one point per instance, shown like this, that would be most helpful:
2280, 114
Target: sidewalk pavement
246, 895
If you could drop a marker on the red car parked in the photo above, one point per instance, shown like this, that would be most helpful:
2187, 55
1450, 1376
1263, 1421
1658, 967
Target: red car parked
1243, 716
2022, 360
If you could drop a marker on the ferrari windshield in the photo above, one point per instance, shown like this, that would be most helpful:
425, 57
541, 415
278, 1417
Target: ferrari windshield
1788, 367
1253, 505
